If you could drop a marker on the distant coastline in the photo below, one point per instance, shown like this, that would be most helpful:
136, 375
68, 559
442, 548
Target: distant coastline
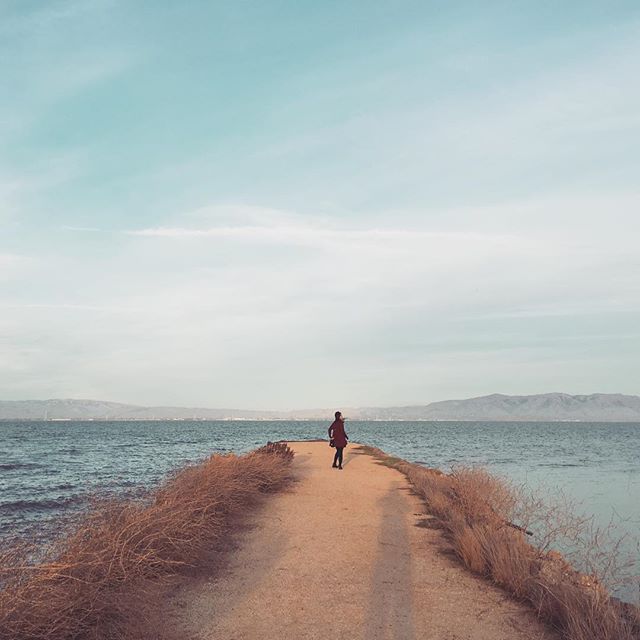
550, 407
321, 419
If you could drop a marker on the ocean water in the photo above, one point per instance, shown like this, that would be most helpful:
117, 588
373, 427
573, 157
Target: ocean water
49, 469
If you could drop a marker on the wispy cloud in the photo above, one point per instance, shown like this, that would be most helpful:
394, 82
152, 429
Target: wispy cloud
84, 229
12, 259
69, 307
322, 236
48, 68
13, 265
20, 186
51, 14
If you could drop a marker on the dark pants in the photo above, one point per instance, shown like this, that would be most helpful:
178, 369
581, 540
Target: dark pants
337, 459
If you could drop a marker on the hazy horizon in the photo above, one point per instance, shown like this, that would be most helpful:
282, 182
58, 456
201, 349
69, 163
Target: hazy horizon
329, 409
366, 205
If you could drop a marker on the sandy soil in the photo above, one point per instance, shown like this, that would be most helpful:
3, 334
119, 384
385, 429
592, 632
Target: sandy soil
346, 554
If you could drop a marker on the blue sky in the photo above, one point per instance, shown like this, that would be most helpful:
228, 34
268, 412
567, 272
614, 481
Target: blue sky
297, 204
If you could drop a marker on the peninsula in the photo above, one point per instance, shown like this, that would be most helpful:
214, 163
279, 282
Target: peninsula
347, 554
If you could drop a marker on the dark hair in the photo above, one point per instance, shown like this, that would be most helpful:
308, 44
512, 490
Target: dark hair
338, 415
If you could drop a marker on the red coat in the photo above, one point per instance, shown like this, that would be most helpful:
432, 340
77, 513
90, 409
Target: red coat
337, 433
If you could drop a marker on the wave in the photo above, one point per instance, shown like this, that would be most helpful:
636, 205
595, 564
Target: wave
561, 465
26, 506
13, 466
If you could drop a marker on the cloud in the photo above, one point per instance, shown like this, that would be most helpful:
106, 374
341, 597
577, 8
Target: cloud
64, 79
83, 229
328, 238
256, 305
44, 17
21, 186
57, 52
302, 309
568, 121
13, 266
68, 307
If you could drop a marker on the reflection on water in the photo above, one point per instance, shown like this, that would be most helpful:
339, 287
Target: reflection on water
47, 469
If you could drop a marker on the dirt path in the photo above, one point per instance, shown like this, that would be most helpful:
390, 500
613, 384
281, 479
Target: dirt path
347, 554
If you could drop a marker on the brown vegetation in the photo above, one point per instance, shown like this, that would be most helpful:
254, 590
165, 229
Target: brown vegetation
486, 520
104, 579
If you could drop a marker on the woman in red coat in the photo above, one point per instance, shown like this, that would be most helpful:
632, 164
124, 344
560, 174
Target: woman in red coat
339, 437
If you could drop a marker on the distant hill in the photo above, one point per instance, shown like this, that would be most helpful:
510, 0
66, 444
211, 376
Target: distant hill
101, 410
597, 407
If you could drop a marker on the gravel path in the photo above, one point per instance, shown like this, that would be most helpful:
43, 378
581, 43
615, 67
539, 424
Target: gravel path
346, 554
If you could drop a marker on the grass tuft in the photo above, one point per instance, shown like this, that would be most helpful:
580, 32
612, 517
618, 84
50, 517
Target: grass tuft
103, 581
487, 521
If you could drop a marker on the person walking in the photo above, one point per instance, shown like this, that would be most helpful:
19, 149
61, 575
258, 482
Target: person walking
338, 438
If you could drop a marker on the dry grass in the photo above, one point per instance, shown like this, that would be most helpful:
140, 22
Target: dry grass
487, 520
103, 581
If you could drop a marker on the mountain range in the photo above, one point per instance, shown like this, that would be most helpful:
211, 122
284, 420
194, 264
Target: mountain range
597, 407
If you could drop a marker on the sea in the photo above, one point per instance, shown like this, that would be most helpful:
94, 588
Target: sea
50, 471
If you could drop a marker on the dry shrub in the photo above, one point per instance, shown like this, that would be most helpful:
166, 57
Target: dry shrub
103, 580
486, 519
512, 562
467, 542
582, 613
435, 490
483, 498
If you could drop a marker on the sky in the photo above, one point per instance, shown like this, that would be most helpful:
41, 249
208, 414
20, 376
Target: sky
279, 204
